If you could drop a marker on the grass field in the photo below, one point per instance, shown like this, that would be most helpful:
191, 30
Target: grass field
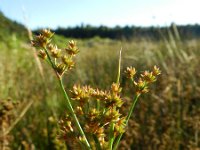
167, 118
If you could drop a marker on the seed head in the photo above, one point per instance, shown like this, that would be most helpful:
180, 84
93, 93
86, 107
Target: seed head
40, 41
47, 33
91, 127
93, 115
120, 126
42, 54
141, 86
100, 133
72, 49
116, 89
80, 94
66, 124
130, 72
56, 52
112, 115
72, 43
156, 71
79, 111
99, 94
51, 47
113, 101
60, 68
68, 61
148, 77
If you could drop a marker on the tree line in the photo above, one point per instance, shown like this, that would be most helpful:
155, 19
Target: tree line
129, 32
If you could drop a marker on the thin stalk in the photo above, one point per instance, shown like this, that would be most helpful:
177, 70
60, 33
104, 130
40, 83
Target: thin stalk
119, 66
111, 135
98, 105
112, 126
127, 119
70, 108
98, 146
73, 115
49, 58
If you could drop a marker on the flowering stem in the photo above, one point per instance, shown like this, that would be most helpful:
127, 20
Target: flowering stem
49, 58
69, 106
73, 115
112, 126
127, 119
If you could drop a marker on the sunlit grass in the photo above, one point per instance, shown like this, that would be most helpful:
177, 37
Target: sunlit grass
168, 119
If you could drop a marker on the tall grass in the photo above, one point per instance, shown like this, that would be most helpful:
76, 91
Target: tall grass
168, 118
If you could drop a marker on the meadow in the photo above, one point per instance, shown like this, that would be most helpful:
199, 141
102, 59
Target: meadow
166, 118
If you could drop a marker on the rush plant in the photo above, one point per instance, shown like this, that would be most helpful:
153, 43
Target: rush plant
93, 119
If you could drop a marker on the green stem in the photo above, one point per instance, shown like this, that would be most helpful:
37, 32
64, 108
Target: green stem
73, 115
98, 105
49, 58
112, 126
69, 106
127, 119
111, 135
98, 146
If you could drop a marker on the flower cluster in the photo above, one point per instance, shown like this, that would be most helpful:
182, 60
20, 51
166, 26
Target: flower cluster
93, 119
96, 110
60, 59
147, 77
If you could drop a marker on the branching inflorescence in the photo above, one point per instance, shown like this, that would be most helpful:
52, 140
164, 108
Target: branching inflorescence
94, 120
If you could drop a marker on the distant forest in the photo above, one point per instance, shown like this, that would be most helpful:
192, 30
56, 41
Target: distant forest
8, 26
129, 32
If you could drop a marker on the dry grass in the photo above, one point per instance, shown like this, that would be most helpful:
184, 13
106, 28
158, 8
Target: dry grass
168, 118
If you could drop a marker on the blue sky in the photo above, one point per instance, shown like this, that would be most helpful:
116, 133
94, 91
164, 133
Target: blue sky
65, 13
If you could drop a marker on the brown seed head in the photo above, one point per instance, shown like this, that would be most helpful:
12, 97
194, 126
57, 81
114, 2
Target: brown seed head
56, 53
141, 86
40, 41
79, 93
112, 115
72, 49
120, 126
92, 127
68, 61
99, 94
79, 111
156, 71
42, 54
130, 72
113, 100
148, 77
51, 47
93, 115
72, 43
47, 33
60, 68
116, 89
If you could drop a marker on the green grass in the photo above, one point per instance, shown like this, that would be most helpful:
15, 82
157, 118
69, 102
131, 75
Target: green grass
168, 118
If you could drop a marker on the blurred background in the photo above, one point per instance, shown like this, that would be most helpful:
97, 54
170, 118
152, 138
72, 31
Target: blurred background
165, 33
